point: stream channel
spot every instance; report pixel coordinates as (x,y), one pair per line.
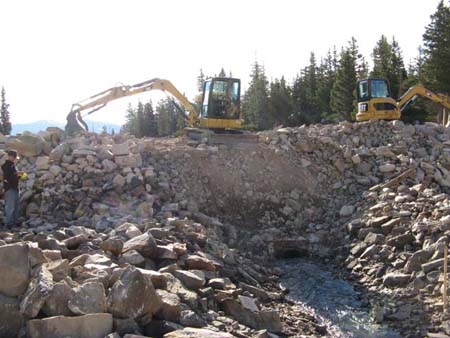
(333,299)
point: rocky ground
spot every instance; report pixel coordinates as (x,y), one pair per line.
(166,237)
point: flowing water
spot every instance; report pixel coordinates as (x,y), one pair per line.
(334,299)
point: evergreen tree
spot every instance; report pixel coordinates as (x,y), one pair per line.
(255,104)
(131,121)
(140,126)
(5,123)
(169,118)
(343,91)
(222,73)
(388,64)
(200,80)
(104,130)
(280,102)
(437,49)
(150,127)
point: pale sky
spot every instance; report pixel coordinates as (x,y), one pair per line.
(55,53)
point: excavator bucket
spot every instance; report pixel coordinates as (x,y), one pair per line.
(75,123)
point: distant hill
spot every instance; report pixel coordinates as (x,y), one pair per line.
(36,126)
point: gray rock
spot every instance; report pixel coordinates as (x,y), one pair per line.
(10,317)
(14,269)
(96,325)
(88,298)
(189,279)
(132,295)
(396,279)
(37,293)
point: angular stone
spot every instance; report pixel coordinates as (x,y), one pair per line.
(387,168)
(195,262)
(266,319)
(396,279)
(170,308)
(189,279)
(433,265)
(56,303)
(96,325)
(120,149)
(133,257)
(191,319)
(113,245)
(401,240)
(88,298)
(145,244)
(415,262)
(132,295)
(14,269)
(37,293)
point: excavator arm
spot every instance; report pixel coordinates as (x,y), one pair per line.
(75,121)
(420,90)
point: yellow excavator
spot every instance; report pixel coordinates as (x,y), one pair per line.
(376,103)
(219,112)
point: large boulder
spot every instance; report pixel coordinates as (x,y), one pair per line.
(14,269)
(28,145)
(96,325)
(132,295)
(170,307)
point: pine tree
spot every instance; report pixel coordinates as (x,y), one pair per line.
(200,80)
(388,64)
(169,119)
(5,123)
(343,92)
(437,49)
(222,73)
(131,121)
(150,127)
(104,130)
(280,102)
(255,104)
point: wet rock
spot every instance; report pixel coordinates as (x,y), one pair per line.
(346,210)
(252,317)
(14,269)
(92,325)
(396,279)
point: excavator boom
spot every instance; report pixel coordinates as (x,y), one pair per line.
(75,121)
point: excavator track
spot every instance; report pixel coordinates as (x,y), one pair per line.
(228,137)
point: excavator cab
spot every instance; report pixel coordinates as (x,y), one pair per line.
(375,101)
(221,99)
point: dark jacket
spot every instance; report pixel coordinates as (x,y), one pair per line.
(10,179)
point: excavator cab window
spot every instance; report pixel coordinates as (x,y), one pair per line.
(371,88)
(221,98)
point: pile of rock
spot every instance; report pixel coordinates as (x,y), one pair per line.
(144,279)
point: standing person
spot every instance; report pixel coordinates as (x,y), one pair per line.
(11,186)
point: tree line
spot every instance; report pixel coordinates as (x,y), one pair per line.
(324,90)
